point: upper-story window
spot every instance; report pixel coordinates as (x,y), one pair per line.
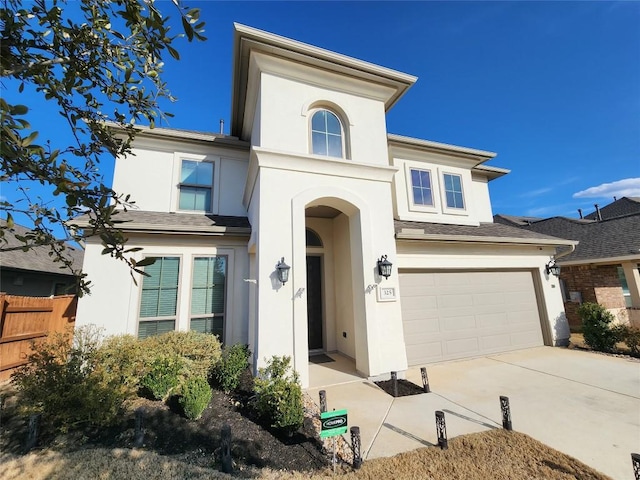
(421,187)
(196,185)
(326,134)
(453,190)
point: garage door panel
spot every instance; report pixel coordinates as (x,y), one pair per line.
(421,326)
(425,353)
(461,347)
(451,315)
(493,319)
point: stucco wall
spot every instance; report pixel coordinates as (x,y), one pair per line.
(115,299)
(152,175)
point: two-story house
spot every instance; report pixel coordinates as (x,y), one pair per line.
(310,178)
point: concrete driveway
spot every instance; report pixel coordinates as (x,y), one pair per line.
(584,404)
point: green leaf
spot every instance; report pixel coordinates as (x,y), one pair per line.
(145,262)
(10,222)
(29,140)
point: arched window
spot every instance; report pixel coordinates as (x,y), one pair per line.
(313,239)
(326,134)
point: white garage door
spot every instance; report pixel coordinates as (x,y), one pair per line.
(450,315)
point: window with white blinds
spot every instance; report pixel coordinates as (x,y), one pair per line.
(208,294)
(159,297)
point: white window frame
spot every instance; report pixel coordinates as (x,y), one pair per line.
(416,207)
(215,181)
(443,195)
(225,314)
(343,133)
(176,317)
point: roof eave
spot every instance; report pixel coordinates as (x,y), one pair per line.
(247,39)
(410,236)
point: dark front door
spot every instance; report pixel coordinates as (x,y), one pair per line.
(314,302)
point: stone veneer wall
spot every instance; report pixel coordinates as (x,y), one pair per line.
(597,284)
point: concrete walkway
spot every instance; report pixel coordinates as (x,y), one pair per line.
(583,404)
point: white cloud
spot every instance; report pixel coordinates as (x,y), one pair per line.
(627,187)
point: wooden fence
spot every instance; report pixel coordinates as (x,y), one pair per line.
(24,319)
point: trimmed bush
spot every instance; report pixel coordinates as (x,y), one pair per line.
(199,351)
(235,360)
(196,395)
(62,382)
(163,377)
(596,327)
(630,336)
(278,398)
(123,359)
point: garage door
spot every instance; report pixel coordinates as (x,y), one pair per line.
(451,315)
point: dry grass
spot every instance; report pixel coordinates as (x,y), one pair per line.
(495,454)
(577,341)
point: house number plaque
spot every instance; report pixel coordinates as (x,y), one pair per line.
(386,294)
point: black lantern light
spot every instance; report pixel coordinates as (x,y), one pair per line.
(384,267)
(283,271)
(552,268)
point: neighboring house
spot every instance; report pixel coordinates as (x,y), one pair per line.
(310,177)
(604,266)
(33,273)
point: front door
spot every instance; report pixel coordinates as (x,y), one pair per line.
(314,302)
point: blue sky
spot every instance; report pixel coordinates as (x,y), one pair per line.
(552,87)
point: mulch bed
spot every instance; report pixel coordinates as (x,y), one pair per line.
(169,433)
(405,388)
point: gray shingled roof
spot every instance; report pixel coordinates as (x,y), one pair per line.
(598,241)
(36,259)
(484,230)
(622,206)
(138,220)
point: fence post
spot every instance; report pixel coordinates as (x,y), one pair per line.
(225,443)
(33,431)
(441,430)
(506,413)
(323,401)
(356,443)
(425,380)
(394,382)
(635,460)
(138,440)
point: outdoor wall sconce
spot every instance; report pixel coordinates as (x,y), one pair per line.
(283,271)
(384,267)
(552,268)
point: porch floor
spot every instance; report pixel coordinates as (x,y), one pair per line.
(341,370)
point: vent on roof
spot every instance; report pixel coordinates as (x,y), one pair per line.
(580,213)
(598,214)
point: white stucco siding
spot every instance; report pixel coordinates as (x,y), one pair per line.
(115,299)
(475,191)
(284,124)
(481,199)
(417,256)
(147,176)
(152,175)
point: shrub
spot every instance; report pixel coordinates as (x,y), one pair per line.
(196,395)
(596,327)
(123,359)
(199,351)
(62,383)
(278,398)
(235,360)
(630,336)
(163,376)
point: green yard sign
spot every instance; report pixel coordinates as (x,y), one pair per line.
(333,423)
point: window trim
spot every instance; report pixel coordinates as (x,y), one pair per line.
(225,314)
(445,207)
(175,317)
(416,207)
(343,131)
(215,181)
